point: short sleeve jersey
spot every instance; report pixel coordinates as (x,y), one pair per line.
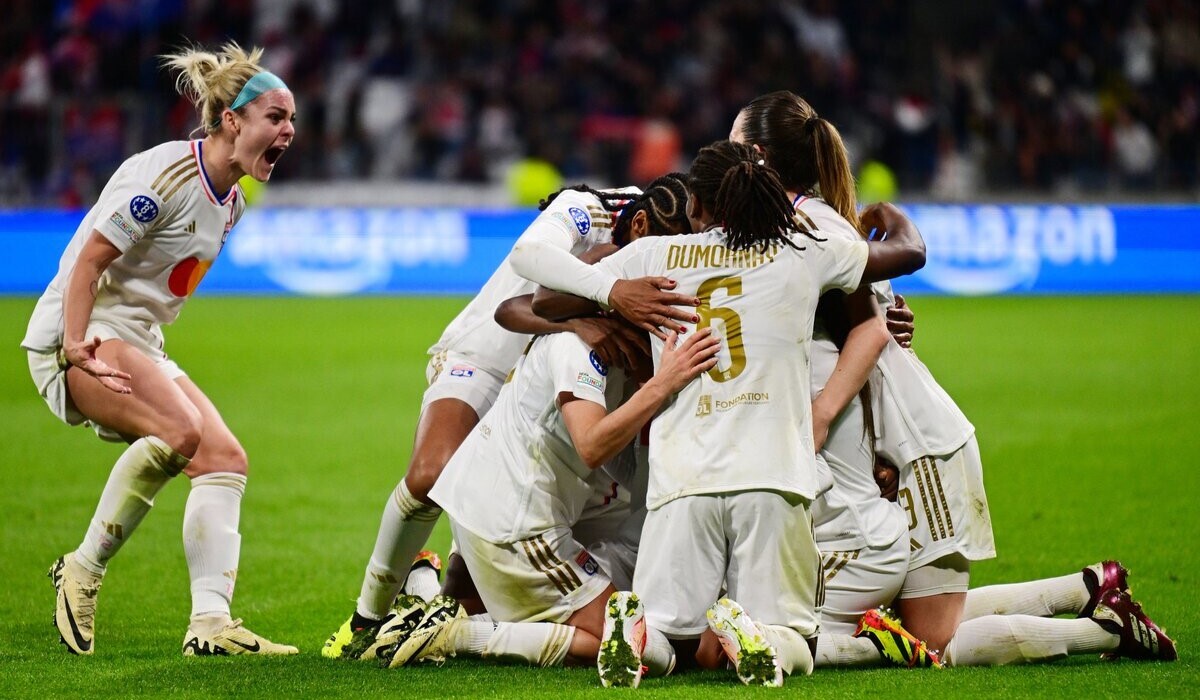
(161,211)
(518,474)
(577,218)
(747,423)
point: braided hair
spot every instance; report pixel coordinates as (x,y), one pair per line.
(664,201)
(744,195)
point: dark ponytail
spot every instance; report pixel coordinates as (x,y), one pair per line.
(743,195)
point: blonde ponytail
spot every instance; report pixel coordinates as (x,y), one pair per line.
(211,81)
(834,177)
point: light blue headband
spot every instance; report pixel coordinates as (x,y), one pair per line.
(255,86)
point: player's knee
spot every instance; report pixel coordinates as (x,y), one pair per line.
(423,473)
(183,430)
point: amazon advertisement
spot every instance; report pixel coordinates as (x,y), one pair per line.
(972,250)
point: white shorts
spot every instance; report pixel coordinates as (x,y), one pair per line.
(454,376)
(759,544)
(949,574)
(49,372)
(545,578)
(612,533)
(860,580)
(946,506)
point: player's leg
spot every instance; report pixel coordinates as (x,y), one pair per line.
(211,541)
(165,430)
(1007,639)
(856,582)
(774,572)
(1075,593)
(932,598)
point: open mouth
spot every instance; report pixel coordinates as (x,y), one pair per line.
(273,154)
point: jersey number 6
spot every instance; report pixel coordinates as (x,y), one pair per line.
(732,323)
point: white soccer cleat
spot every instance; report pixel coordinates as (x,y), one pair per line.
(755,659)
(75,603)
(624,640)
(232,640)
(432,637)
(406,613)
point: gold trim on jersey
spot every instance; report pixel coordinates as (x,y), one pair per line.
(179,183)
(173,166)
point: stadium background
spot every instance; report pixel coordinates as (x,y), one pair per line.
(1048,150)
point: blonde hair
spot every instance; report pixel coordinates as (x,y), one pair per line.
(211,81)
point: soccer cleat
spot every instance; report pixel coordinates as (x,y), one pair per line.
(430,639)
(75,603)
(753,657)
(428,558)
(895,644)
(1141,638)
(232,640)
(620,657)
(405,615)
(1101,578)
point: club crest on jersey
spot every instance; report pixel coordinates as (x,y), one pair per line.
(588,563)
(462,371)
(583,222)
(598,364)
(143,208)
(704,405)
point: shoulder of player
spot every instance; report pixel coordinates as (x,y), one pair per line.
(160,171)
(819,218)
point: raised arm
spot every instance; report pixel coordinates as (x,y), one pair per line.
(616,342)
(80,296)
(896,248)
(599,435)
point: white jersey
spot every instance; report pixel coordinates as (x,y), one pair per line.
(518,474)
(159,209)
(851,515)
(574,218)
(747,423)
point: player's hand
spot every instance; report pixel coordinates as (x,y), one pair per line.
(887,477)
(615,342)
(900,322)
(681,363)
(647,305)
(879,217)
(83,356)
(820,431)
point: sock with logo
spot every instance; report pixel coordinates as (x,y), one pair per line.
(791,648)
(211,542)
(137,477)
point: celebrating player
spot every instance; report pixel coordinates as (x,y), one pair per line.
(95,343)
(732,459)
(474,355)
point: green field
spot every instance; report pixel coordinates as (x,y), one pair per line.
(1084,409)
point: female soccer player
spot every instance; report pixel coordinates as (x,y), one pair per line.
(474,355)
(732,458)
(942,489)
(95,343)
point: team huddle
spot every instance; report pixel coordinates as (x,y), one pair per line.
(679,427)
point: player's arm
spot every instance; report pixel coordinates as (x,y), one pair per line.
(598,435)
(78,300)
(864,343)
(616,342)
(897,247)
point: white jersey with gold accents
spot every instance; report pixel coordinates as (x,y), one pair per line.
(518,474)
(160,210)
(747,423)
(576,219)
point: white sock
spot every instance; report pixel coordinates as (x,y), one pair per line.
(1045,598)
(137,477)
(996,640)
(845,650)
(791,648)
(542,644)
(403,530)
(211,541)
(423,582)
(659,656)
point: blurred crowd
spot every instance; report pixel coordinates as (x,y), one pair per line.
(946,100)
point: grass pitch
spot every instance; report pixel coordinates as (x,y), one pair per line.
(1084,409)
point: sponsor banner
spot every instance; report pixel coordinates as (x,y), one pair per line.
(972,249)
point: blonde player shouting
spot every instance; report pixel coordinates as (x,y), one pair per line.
(474,355)
(732,458)
(95,343)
